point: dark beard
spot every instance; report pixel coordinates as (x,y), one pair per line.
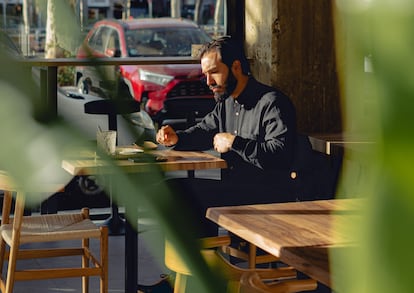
(220,97)
(230,86)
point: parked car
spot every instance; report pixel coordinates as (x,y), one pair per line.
(149,37)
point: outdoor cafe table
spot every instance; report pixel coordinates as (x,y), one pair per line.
(301,234)
(175,161)
(337,143)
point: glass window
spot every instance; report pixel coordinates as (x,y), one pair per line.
(99,39)
(164,41)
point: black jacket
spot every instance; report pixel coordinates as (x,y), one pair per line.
(264,122)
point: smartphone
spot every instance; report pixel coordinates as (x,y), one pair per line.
(148,159)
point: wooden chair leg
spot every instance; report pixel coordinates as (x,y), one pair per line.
(7,202)
(85,258)
(5,219)
(11,270)
(11,267)
(180,283)
(252,256)
(14,248)
(85,264)
(104,259)
(2,254)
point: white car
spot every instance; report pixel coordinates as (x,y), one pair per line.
(71,107)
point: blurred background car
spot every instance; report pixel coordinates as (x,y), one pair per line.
(148,37)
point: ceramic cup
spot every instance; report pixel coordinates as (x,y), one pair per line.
(106,140)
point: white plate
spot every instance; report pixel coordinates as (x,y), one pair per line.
(130,151)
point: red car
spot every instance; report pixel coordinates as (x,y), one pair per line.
(145,37)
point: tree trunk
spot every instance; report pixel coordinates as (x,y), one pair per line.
(127,13)
(175,8)
(51,38)
(26,41)
(197,10)
(218,15)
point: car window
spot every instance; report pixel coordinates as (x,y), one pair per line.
(112,47)
(164,41)
(98,40)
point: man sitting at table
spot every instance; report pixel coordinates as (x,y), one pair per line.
(253,126)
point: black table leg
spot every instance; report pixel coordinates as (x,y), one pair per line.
(131,258)
(116,225)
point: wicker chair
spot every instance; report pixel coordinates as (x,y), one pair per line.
(19,229)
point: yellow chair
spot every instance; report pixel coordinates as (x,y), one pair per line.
(251,256)
(217,262)
(19,229)
(251,282)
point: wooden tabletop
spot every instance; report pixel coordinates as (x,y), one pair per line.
(166,160)
(301,234)
(8,183)
(335,143)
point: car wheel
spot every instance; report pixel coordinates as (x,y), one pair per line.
(89,185)
(84,85)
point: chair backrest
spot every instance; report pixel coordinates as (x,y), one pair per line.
(302,165)
(184,112)
(312,172)
(303,153)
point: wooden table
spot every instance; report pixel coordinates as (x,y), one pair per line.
(173,161)
(301,234)
(349,156)
(335,143)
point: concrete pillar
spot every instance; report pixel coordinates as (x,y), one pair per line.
(260,40)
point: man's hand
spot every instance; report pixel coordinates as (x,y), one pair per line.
(166,136)
(223,141)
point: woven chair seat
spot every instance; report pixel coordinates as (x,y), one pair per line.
(52,228)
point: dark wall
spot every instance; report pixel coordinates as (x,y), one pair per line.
(304,59)
(306,63)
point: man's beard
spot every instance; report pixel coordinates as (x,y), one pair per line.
(220,97)
(230,86)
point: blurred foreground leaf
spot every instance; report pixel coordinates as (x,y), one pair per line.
(32,151)
(380,31)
